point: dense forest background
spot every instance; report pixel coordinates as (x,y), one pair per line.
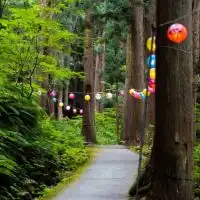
(54,53)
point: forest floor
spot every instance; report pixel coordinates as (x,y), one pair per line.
(109,177)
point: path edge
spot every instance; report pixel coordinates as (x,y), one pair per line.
(67,181)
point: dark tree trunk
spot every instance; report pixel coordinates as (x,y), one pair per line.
(134,76)
(89,69)
(172,149)
(196,55)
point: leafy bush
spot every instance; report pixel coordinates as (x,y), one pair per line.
(197,170)
(35,151)
(106,127)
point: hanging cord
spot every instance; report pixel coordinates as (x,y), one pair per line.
(143,124)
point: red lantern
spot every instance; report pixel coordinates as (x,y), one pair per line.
(177,33)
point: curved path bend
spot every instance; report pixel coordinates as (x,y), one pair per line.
(109,177)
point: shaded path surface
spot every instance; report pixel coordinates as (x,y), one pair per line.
(109,178)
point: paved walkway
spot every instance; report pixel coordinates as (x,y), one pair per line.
(109,178)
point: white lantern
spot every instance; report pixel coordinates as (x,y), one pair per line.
(81,111)
(68,107)
(74,110)
(109,95)
(39,92)
(98,96)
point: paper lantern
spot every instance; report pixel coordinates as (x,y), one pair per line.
(177,33)
(74,111)
(121,93)
(39,92)
(137,95)
(87,97)
(68,107)
(53,93)
(71,96)
(151,90)
(131,92)
(142,96)
(98,96)
(109,95)
(153,86)
(152,73)
(151,81)
(145,92)
(81,111)
(149,44)
(60,104)
(151,61)
(54,99)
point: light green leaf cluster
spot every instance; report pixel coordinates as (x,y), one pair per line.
(30,41)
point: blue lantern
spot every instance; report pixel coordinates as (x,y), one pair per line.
(142,96)
(151,61)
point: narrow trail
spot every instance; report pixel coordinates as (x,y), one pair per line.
(109,177)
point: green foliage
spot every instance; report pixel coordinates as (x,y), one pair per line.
(34,151)
(106,127)
(31,42)
(198,121)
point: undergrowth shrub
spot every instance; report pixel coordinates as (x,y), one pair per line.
(106,127)
(35,152)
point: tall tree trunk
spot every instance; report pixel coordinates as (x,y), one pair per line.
(89,69)
(60,109)
(172,149)
(149,19)
(196,55)
(134,76)
(46,101)
(99,85)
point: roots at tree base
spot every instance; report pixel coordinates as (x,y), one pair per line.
(144,182)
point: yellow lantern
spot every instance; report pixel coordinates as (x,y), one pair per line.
(131,92)
(152,73)
(145,92)
(61,104)
(149,43)
(87,97)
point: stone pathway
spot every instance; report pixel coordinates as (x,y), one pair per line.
(109,178)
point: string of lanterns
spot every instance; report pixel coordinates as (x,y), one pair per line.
(176,33)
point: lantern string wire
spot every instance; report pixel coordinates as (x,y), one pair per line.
(179,49)
(179,18)
(144,120)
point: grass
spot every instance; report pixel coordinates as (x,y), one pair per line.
(50,193)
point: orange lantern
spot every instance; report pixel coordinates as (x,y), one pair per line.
(177,33)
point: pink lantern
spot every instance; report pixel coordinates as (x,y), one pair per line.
(81,111)
(71,96)
(151,81)
(137,95)
(151,90)
(121,93)
(53,93)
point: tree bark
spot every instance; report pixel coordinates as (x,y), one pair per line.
(172,149)
(196,55)
(60,109)
(89,69)
(134,76)
(149,19)
(99,85)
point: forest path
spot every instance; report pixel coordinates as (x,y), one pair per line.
(109,177)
